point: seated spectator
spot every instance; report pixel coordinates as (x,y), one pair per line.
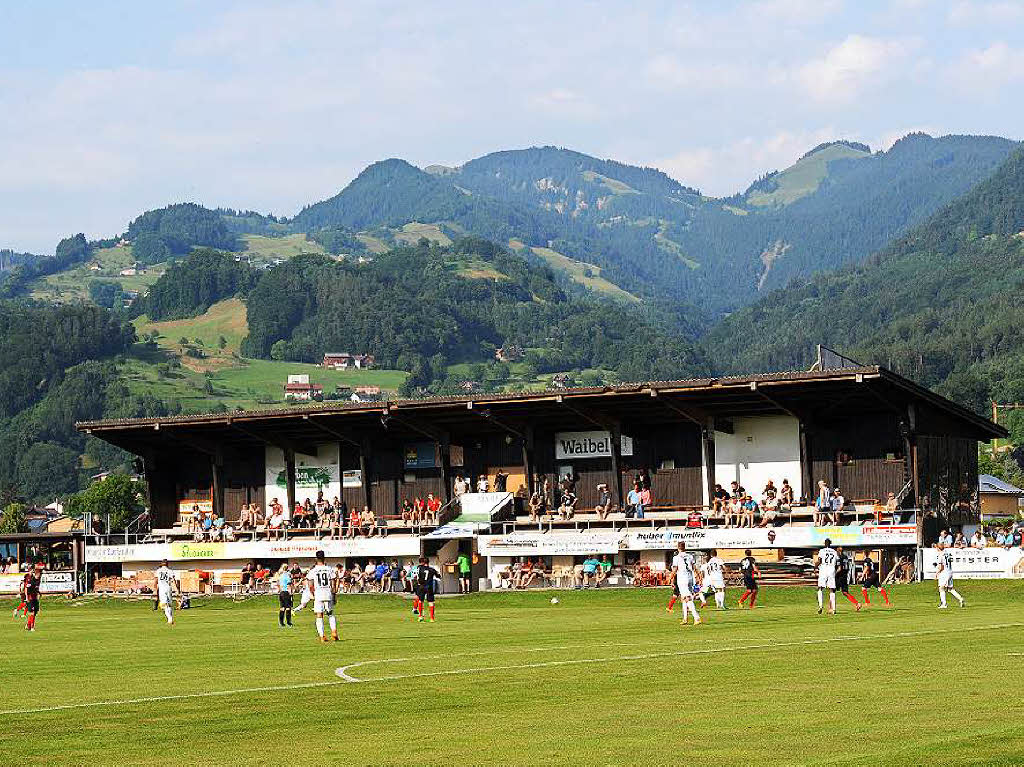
(567,507)
(247,580)
(769,512)
(646,499)
(321,505)
(207,527)
(460,486)
(257,515)
(380,575)
(733,511)
(604,501)
(300,516)
(244,518)
(946,538)
(433,509)
(822,504)
(529,573)
(634,502)
(588,575)
(196,520)
(538,506)
(695,519)
(836,505)
(354,519)
(769,492)
(481,483)
(1015,538)
(719,498)
(786,496)
(749,512)
(368,521)
(408,515)
(419,508)
(960,542)
(606,568)
(275,526)
(978,540)
(260,576)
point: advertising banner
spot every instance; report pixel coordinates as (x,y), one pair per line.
(990,562)
(480,507)
(313,474)
(62,582)
(548,544)
(588,444)
(11,583)
(136,552)
(770,537)
(187,506)
(306,548)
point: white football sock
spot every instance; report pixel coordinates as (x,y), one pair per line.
(167,612)
(956,595)
(320,625)
(942,597)
(334,623)
(832,600)
(821,601)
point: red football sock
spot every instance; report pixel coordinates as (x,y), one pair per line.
(753,598)
(850,597)
(416,606)
(745,595)
(21,608)
(885,596)
(864,593)
(431,611)
(672,602)
(31,621)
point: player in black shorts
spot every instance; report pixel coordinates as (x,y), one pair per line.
(751,572)
(30,588)
(844,568)
(869,579)
(425,582)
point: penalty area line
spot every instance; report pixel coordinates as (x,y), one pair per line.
(347,678)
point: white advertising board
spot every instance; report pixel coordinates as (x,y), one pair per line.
(301,548)
(313,474)
(588,444)
(517,544)
(990,562)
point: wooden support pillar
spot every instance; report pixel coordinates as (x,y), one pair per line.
(806,465)
(616,436)
(445,449)
(364,463)
(707,434)
(217,473)
(527,440)
(289,473)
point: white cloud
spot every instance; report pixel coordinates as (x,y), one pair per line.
(966,13)
(853,65)
(988,70)
(728,168)
(793,11)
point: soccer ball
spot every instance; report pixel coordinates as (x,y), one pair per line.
(554,600)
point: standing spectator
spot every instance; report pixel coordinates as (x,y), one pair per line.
(460,487)
(769,492)
(822,504)
(538,506)
(546,490)
(634,504)
(500,481)
(643,478)
(481,483)
(464,568)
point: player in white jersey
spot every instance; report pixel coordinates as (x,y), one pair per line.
(826,560)
(944,577)
(714,578)
(307,596)
(166,585)
(324,585)
(684,570)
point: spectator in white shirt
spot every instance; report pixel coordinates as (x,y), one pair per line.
(978,540)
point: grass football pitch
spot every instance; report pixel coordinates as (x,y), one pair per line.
(602,677)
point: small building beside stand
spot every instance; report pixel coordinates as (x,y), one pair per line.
(861,428)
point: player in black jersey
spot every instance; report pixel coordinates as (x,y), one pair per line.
(751,572)
(425,581)
(30,592)
(844,570)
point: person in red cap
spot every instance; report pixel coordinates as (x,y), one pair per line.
(30,588)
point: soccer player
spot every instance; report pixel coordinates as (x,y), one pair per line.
(869,579)
(166,585)
(685,575)
(944,577)
(714,580)
(751,572)
(284,597)
(675,596)
(324,585)
(425,579)
(23,603)
(307,595)
(826,560)
(843,569)
(30,586)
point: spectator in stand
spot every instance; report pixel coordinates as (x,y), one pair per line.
(244,518)
(769,512)
(646,498)
(408,515)
(946,538)
(1015,538)
(960,542)
(394,575)
(196,524)
(481,483)
(892,506)
(822,504)
(567,508)
(354,519)
(643,478)
(433,509)
(217,534)
(786,496)
(460,487)
(275,524)
(500,481)
(321,506)
(736,490)
(769,492)
(380,575)
(419,511)
(695,519)
(538,506)
(978,540)
(750,509)
(733,510)
(588,576)
(836,505)
(604,501)
(634,505)
(299,515)
(368,521)
(207,526)
(719,499)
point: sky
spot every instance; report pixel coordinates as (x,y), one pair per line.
(108,109)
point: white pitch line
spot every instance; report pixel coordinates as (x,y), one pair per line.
(342,672)
(345,678)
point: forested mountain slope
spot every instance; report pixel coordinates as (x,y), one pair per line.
(940,305)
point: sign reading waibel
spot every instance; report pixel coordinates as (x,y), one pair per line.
(588,444)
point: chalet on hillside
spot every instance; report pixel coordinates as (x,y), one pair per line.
(299,388)
(509,353)
(346,361)
(366,394)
